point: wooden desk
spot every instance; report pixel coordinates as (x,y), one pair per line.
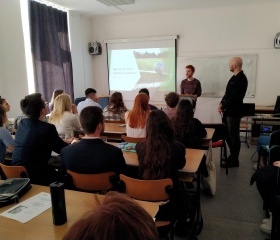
(113,131)
(264,109)
(42,227)
(193,159)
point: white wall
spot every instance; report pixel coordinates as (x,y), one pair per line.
(80,35)
(13,76)
(204,32)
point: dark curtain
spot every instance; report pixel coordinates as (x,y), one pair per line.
(50,50)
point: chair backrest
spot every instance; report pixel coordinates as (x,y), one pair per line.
(131,139)
(91,182)
(274,138)
(221,131)
(14,171)
(147,190)
(77,100)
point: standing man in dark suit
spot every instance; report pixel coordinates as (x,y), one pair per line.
(231,108)
(91,154)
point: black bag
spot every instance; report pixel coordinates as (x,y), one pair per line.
(12,189)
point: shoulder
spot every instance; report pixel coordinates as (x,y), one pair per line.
(196,80)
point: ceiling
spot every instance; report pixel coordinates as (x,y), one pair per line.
(94,7)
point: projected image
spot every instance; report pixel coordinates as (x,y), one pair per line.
(137,65)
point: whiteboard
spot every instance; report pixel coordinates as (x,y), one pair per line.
(213,73)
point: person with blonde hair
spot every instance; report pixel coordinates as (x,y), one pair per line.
(116,109)
(117,217)
(56,92)
(63,118)
(136,118)
(6,140)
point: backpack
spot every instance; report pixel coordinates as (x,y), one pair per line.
(12,189)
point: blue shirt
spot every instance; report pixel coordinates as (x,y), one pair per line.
(6,140)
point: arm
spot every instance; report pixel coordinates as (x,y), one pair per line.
(198,89)
(56,142)
(181,159)
(7,139)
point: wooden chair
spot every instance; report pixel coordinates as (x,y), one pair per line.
(150,190)
(219,140)
(131,139)
(91,182)
(14,171)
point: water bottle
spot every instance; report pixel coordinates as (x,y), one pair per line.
(58,203)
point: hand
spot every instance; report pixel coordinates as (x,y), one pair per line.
(276,164)
(220,110)
(70,140)
(74,109)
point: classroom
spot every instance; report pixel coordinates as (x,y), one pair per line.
(238,28)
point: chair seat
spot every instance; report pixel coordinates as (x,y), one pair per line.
(218,143)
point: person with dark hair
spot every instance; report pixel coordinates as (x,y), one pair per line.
(91,100)
(6,140)
(146,91)
(191,87)
(4,103)
(160,156)
(35,140)
(136,118)
(117,217)
(231,108)
(116,109)
(172,100)
(91,154)
(56,92)
(188,130)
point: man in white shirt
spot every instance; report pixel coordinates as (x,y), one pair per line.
(91,100)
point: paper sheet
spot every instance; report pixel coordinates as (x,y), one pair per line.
(30,208)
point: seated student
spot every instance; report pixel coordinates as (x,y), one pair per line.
(136,118)
(117,217)
(91,100)
(56,93)
(35,140)
(146,91)
(4,103)
(160,156)
(188,130)
(6,140)
(172,100)
(63,118)
(116,109)
(266,180)
(91,154)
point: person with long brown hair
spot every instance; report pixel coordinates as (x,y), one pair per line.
(117,217)
(160,156)
(56,93)
(136,118)
(116,109)
(4,103)
(188,130)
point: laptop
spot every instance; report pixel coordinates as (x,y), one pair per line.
(277,108)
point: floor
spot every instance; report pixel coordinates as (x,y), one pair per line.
(235,212)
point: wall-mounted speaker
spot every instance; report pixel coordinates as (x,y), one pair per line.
(277,41)
(94,48)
